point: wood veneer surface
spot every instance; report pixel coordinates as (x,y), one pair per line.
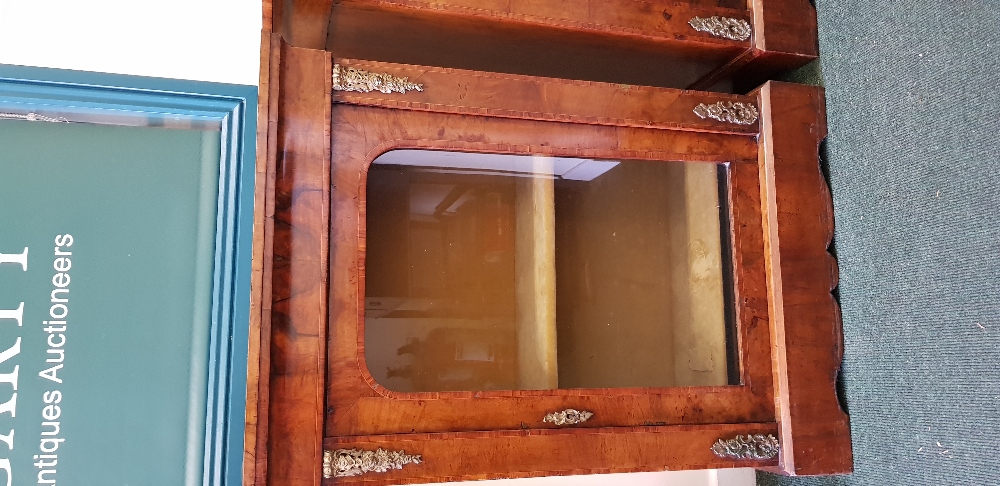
(297,340)
(258,355)
(806,323)
(624,41)
(322,396)
(530,43)
(366,125)
(518,454)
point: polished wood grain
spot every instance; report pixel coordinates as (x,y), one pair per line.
(785,37)
(267,15)
(258,356)
(518,454)
(524,97)
(299,276)
(303,23)
(805,324)
(504,116)
(662,20)
(785,27)
(361,406)
(493,39)
(314,390)
(626,41)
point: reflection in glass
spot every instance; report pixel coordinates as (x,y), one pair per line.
(504,272)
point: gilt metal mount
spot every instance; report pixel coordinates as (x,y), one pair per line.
(354,79)
(728,111)
(725,27)
(342,463)
(747,447)
(568,417)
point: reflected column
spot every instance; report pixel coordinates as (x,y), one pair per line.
(535,278)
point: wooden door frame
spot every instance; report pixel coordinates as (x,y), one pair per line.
(366,125)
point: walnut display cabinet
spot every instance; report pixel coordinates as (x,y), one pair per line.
(721,45)
(470,275)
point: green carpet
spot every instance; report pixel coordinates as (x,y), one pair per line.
(914,115)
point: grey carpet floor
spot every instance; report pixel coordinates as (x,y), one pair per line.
(913,154)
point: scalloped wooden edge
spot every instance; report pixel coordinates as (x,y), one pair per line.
(807,342)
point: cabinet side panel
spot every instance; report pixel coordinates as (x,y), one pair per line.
(806,326)
(785,27)
(299,277)
(258,363)
(785,37)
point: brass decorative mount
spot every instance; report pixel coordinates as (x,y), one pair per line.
(568,417)
(342,463)
(725,27)
(747,447)
(359,80)
(729,112)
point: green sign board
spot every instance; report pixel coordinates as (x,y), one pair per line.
(124,253)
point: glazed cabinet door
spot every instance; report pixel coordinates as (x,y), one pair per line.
(474,275)
(516,253)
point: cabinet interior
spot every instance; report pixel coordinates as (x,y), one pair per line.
(519,272)
(428,37)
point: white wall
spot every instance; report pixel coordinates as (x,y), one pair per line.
(206,40)
(203,40)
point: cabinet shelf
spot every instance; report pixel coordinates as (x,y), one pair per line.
(695,44)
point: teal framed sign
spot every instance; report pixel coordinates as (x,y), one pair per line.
(126,210)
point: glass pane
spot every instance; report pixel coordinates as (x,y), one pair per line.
(507,272)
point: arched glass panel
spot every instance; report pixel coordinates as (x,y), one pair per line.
(511,272)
